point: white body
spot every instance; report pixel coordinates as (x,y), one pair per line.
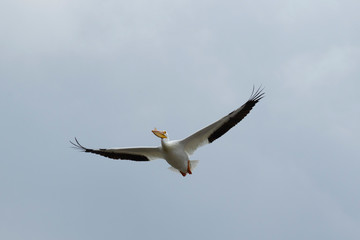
(177,152)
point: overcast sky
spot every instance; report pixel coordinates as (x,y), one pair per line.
(108,72)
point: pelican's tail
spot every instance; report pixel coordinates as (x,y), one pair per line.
(193,164)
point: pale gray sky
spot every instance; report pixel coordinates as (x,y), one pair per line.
(108,72)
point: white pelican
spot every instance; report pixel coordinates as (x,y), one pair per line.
(177,152)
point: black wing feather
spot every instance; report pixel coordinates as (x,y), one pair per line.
(233,120)
(109,154)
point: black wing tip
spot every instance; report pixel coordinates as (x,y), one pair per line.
(112,155)
(241,112)
(258,94)
(77,145)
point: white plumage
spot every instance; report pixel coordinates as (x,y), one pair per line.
(177,152)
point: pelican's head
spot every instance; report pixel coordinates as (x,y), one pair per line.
(160,134)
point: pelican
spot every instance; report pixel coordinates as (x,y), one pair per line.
(177,152)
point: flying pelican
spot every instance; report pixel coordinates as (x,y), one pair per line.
(177,152)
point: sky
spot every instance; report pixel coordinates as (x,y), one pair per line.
(108,72)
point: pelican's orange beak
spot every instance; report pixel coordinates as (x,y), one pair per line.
(160,134)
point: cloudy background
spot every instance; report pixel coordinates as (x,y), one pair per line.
(108,72)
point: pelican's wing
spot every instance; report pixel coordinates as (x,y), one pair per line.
(220,127)
(134,154)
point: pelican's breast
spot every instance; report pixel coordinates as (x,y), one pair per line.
(175,155)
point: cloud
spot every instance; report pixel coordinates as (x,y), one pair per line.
(109,71)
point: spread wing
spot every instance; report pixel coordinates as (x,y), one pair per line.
(217,129)
(134,154)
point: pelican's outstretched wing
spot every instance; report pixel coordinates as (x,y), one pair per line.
(134,154)
(220,127)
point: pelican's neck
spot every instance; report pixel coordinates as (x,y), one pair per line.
(164,141)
